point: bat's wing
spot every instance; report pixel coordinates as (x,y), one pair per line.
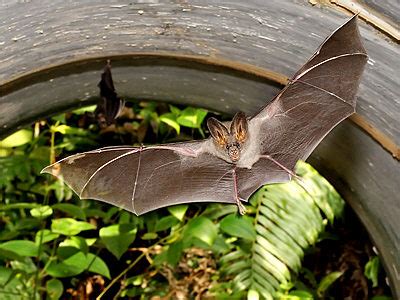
(320,95)
(144,179)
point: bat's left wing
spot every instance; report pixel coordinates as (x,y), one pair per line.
(141,179)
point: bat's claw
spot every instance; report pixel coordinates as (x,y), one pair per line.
(241,207)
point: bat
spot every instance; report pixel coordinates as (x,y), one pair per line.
(239,157)
(111,106)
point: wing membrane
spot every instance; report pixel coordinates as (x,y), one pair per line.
(320,95)
(143,179)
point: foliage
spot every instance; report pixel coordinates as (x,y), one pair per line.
(372,270)
(53,245)
(287,221)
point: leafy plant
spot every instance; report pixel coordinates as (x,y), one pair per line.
(189,117)
(372,270)
(288,219)
(53,245)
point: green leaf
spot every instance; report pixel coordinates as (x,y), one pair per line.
(71,209)
(27,224)
(149,236)
(63,269)
(19,138)
(9,254)
(215,211)
(124,217)
(327,281)
(174,253)
(59,118)
(25,265)
(41,212)
(160,258)
(90,241)
(178,211)
(97,265)
(135,280)
(170,119)
(76,264)
(166,223)
(322,192)
(220,245)
(84,109)
(174,110)
(21,247)
(41,154)
(75,242)
(54,289)
(95,212)
(117,238)
(238,226)
(202,229)
(46,237)
(192,117)
(60,128)
(5,275)
(371,270)
(68,226)
(65,129)
(10,282)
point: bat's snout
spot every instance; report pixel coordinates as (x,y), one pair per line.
(234,153)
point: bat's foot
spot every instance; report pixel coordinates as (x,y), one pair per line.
(241,207)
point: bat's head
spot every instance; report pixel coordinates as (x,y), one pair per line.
(230,141)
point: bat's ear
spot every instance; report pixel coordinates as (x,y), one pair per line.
(218,131)
(239,127)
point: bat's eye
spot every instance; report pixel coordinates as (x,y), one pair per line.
(227,147)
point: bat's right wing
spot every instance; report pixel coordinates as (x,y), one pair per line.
(141,179)
(320,95)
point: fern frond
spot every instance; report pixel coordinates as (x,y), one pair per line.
(289,219)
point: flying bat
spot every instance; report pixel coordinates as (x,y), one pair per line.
(238,157)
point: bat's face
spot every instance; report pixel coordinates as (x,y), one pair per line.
(233,150)
(230,141)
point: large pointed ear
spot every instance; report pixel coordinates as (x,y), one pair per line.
(239,127)
(218,131)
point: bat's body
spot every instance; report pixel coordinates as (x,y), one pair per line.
(239,158)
